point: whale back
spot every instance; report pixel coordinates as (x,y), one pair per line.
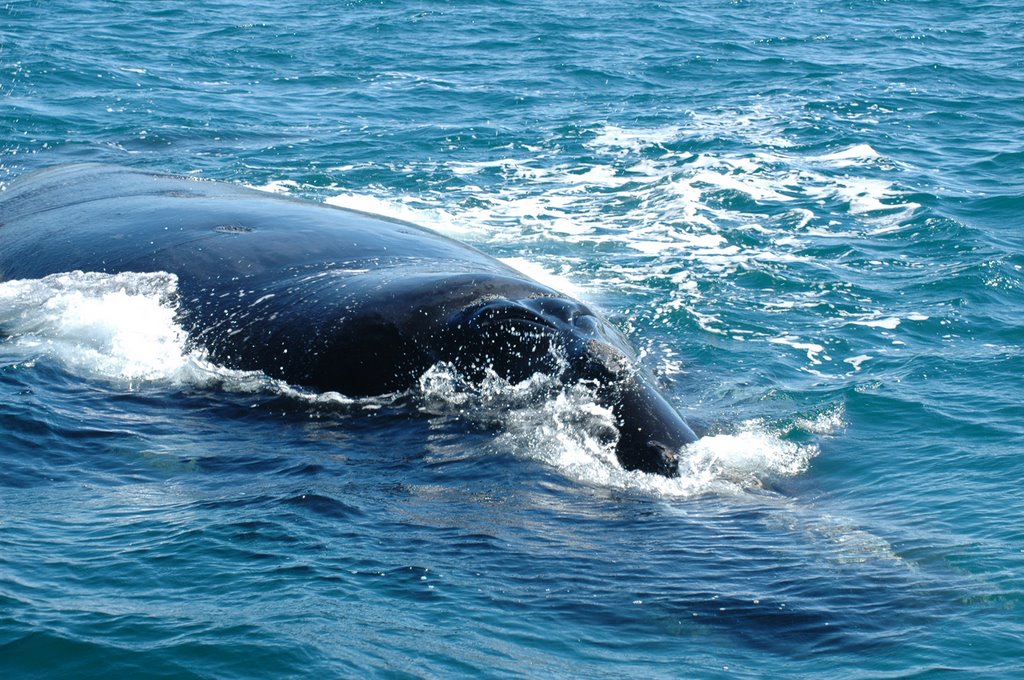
(317,295)
(325,297)
(111,218)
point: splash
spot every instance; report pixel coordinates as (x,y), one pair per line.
(119,326)
(565,427)
(116,327)
(745,459)
(123,328)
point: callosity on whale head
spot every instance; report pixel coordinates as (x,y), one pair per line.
(329,298)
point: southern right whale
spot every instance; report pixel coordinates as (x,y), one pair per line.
(329,298)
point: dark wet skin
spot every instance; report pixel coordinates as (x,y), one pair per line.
(329,298)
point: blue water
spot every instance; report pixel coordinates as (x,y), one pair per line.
(809,216)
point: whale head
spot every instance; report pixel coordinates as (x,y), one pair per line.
(555,335)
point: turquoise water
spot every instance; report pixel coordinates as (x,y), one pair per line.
(809,216)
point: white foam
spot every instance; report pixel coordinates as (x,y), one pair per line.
(563,426)
(890,323)
(827,422)
(278,186)
(812,349)
(854,155)
(613,138)
(858,360)
(668,198)
(537,272)
(866,195)
(118,327)
(757,124)
(746,457)
(652,210)
(758,187)
(438,219)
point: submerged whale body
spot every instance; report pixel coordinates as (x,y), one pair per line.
(329,298)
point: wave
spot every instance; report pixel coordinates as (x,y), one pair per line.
(123,329)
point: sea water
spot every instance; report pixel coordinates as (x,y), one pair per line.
(807,216)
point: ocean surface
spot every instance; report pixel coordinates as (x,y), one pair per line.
(807,216)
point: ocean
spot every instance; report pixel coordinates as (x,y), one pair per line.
(808,217)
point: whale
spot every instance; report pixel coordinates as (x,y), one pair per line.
(330,298)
